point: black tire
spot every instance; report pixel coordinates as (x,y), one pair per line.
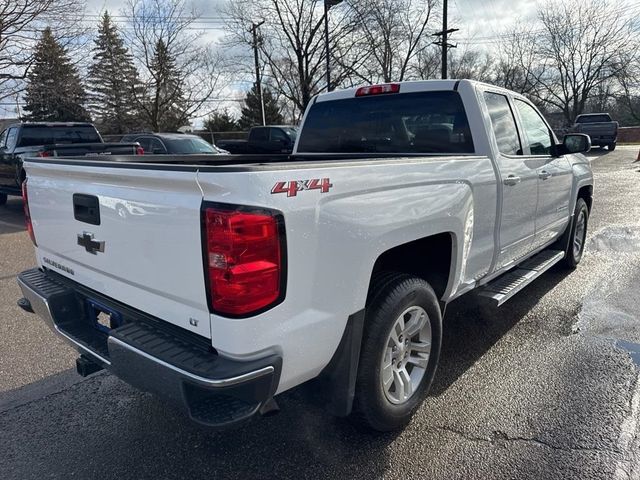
(392,294)
(3,198)
(573,255)
(612,147)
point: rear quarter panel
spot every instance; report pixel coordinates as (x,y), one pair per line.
(335,238)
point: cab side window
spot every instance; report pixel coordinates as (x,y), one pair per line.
(503,123)
(145,144)
(260,135)
(12,137)
(278,135)
(157,147)
(538,136)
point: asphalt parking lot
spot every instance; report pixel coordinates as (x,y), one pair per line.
(544,387)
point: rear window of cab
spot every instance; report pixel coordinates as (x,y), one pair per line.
(421,122)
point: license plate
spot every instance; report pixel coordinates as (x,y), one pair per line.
(102,317)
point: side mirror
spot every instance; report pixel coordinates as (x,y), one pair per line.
(575,143)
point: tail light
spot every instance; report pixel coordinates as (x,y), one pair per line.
(44,153)
(378,89)
(245,257)
(139,150)
(27,214)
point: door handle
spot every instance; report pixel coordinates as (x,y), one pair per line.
(544,174)
(511,180)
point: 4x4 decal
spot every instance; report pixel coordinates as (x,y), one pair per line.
(292,187)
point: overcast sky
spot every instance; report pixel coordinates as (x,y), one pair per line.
(475,18)
(478,21)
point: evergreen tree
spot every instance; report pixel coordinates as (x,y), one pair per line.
(221,122)
(164,104)
(252,112)
(54,91)
(113,80)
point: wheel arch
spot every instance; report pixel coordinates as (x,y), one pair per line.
(586,193)
(432,258)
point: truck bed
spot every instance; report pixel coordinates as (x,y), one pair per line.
(239,162)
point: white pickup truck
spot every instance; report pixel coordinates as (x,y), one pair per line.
(219,283)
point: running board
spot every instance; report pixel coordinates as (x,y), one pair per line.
(506,286)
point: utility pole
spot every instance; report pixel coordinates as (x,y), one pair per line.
(327,5)
(254,33)
(444,41)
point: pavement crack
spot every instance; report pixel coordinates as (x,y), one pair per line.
(498,436)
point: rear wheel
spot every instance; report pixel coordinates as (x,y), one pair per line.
(400,350)
(3,198)
(577,235)
(612,147)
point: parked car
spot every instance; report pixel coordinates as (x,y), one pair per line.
(173,144)
(261,140)
(52,139)
(601,129)
(332,265)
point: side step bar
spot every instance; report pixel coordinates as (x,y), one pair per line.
(506,286)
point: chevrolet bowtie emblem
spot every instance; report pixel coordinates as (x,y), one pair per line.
(90,245)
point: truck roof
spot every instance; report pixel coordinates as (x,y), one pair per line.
(50,124)
(415,86)
(406,87)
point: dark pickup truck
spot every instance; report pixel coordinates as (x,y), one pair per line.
(599,126)
(269,139)
(21,140)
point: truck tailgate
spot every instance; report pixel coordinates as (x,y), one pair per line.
(149,221)
(599,129)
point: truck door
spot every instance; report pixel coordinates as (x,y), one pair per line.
(259,140)
(8,170)
(518,187)
(279,142)
(555,178)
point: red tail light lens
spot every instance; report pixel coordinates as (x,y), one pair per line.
(44,153)
(378,89)
(244,259)
(27,215)
(139,150)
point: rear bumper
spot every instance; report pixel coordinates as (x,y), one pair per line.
(153,355)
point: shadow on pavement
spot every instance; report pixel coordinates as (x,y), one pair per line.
(102,428)
(472,327)
(12,216)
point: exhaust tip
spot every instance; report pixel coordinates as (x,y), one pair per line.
(269,408)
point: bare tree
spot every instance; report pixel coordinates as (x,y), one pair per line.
(584,46)
(21,24)
(291,43)
(392,34)
(518,65)
(628,79)
(471,64)
(179,74)
(427,64)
